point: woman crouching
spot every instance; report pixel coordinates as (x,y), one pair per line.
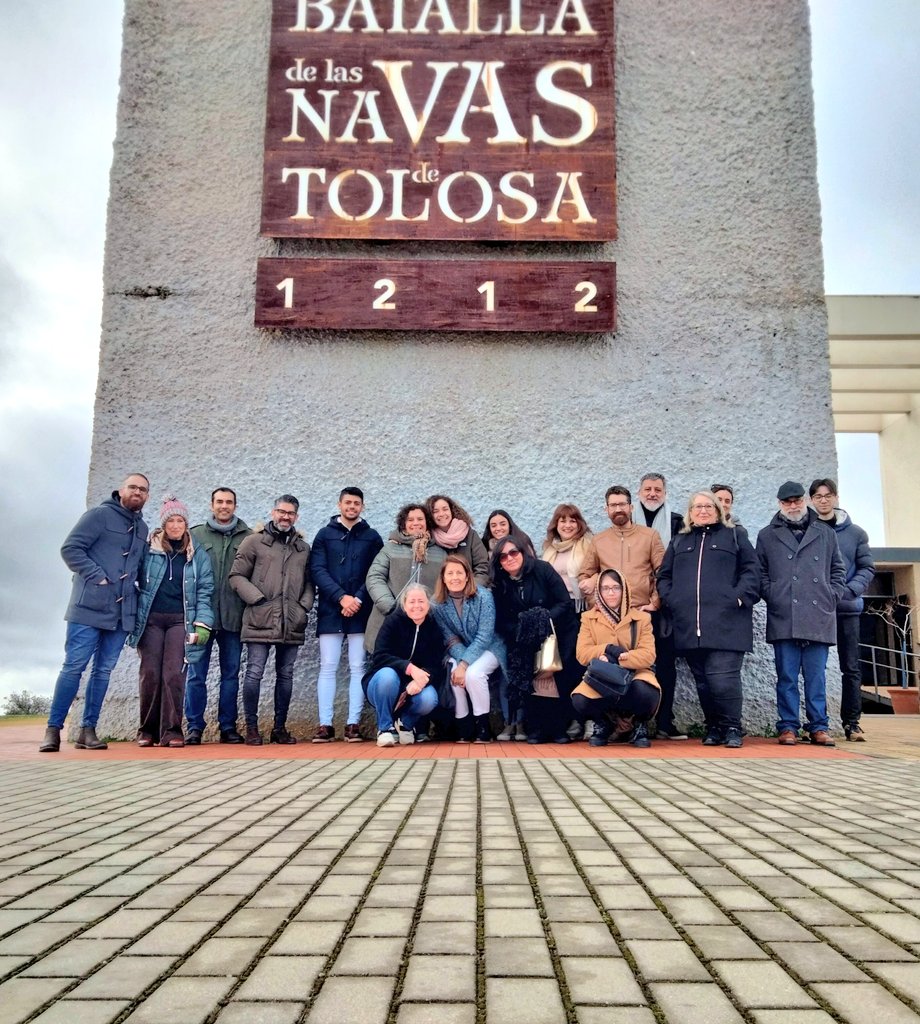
(614,632)
(174,620)
(408,655)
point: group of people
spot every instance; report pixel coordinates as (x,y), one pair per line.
(441,625)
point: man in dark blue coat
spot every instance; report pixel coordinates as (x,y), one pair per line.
(854,550)
(802,579)
(342,553)
(104,550)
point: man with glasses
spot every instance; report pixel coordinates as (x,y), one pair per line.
(104,551)
(802,579)
(634,551)
(854,550)
(342,553)
(271,575)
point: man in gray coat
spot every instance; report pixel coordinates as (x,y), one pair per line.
(802,579)
(104,551)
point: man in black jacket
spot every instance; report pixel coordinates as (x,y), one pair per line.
(342,553)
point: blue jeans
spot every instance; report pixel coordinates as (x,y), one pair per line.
(811,660)
(230,653)
(82,644)
(256,657)
(382,691)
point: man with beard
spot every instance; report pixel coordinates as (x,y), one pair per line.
(104,551)
(271,575)
(654,511)
(634,551)
(802,579)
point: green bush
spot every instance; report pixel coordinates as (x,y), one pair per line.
(25,703)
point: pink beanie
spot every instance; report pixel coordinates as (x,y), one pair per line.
(171,506)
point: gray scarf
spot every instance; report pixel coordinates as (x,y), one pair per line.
(661,522)
(221,527)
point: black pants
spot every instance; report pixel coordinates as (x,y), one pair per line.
(162,680)
(718,684)
(640,701)
(848,653)
(665,670)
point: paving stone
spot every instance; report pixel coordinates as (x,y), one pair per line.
(605,981)
(125,924)
(817,911)
(904,977)
(400,896)
(451,908)
(688,1003)
(857,1003)
(614,1015)
(440,978)
(724,942)
(281,978)
(644,924)
(66,1011)
(535,1000)
(756,984)
(436,1013)
(329,908)
(571,908)
(300,938)
(36,938)
(444,937)
(220,957)
(513,923)
(74,958)
(584,937)
(452,885)
(125,977)
(171,938)
(207,908)
(251,923)
(791,1017)
(87,909)
(774,926)
(901,927)
(663,960)
(259,1013)
(624,897)
(865,944)
(355,1000)
(363,956)
(21,997)
(694,911)
(734,897)
(518,958)
(196,996)
(813,961)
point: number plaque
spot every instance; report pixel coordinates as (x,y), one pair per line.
(571,296)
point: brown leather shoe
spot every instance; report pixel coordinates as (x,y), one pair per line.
(253,739)
(822,739)
(51,744)
(353,734)
(787,738)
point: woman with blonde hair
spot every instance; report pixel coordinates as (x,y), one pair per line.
(709,581)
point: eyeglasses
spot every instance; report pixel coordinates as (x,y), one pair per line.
(822,497)
(285,515)
(702,508)
(793,501)
(612,588)
(508,554)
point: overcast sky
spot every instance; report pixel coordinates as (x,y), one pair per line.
(58,90)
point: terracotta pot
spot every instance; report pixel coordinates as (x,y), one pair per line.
(904,701)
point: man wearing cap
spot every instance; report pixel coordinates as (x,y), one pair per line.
(802,579)
(104,551)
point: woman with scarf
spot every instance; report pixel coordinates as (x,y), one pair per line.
(709,580)
(409,556)
(408,657)
(174,621)
(466,615)
(453,531)
(531,602)
(613,631)
(500,524)
(568,538)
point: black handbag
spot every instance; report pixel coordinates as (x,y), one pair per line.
(608,678)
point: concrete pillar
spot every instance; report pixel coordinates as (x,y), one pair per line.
(899,456)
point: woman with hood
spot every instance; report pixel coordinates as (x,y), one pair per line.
(531,603)
(174,620)
(613,631)
(408,656)
(453,531)
(709,581)
(409,556)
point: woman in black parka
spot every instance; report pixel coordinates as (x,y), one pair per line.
(709,581)
(529,593)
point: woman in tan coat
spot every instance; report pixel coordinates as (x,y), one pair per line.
(614,632)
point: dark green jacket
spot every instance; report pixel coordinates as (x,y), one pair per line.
(221,549)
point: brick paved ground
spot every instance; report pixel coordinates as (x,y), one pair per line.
(410,891)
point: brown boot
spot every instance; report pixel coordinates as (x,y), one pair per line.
(88,740)
(253,739)
(51,744)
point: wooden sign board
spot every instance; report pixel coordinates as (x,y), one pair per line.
(441,119)
(444,295)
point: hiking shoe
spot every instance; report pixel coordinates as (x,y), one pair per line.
(51,744)
(352,734)
(519,733)
(281,735)
(854,733)
(601,734)
(713,737)
(733,738)
(388,738)
(323,734)
(506,734)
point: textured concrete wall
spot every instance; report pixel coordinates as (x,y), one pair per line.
(719,368)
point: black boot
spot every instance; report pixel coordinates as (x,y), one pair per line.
(88,740)
(464,727)
(603,727)
(51,744)
(483,730)
(230,736)
(640,736)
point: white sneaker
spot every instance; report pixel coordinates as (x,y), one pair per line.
(386,739)
(406,736)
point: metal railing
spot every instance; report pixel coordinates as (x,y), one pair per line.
(895,662)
